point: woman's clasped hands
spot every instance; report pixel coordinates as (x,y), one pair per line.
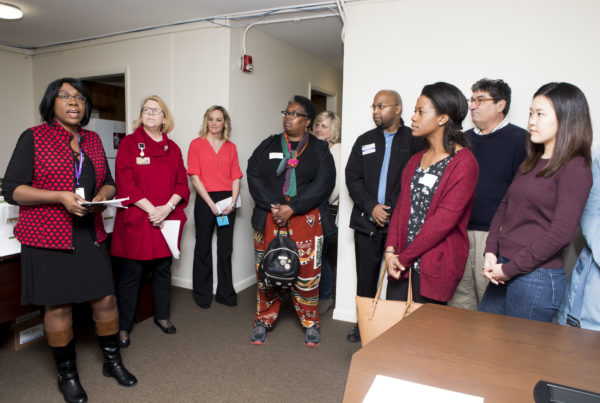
(492,270)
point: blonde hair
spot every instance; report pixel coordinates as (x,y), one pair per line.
(336,124)
(226,133)
(169,122)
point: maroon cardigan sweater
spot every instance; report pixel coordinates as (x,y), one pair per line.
(442,242)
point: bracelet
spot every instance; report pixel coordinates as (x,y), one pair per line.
(171,205)
(389,251)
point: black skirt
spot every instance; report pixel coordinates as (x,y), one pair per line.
(53,277)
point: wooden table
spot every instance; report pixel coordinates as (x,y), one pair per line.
(496,357)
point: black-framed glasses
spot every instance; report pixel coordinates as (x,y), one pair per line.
(381,107)
(152,111)
(478,101)
(67,97)
(292,114)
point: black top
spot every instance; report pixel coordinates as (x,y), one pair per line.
(21,165)
(315,179)
(364,168)
(423,186)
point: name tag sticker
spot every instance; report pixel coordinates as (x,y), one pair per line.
(142,160)
(368,149)
(275,156)
(428,180)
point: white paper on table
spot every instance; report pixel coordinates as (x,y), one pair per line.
(221,204)
(170,231)
(114,202)
(385,389)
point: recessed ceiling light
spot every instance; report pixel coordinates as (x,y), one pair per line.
(10,12)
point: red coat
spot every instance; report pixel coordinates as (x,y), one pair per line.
(134,237)
(442,243)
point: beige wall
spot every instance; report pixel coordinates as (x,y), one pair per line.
(406,45)
(16,103)
(188,68)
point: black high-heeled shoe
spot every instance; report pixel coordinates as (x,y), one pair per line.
(168,330)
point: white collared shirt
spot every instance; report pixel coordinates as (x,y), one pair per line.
(502,124)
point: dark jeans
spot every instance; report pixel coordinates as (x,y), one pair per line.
(206,222)
(536,295)
(129,287)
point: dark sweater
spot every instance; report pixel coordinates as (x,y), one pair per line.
(499,155)
(538,217)
(315,179)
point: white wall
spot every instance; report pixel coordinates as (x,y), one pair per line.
(256,100)
(16,103)
(406,45)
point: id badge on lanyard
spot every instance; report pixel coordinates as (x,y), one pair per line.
(141,160)
(79,189)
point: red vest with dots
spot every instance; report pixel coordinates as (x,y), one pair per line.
(50,225)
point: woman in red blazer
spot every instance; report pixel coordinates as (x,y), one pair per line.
(150,171)
(428,230)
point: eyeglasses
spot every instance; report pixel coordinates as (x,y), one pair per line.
(477,101)
(293,114)
(67,97)
(152,111)
(381,107)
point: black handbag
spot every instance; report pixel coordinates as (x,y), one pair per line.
(281,263)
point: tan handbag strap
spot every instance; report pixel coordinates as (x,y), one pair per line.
(409,298)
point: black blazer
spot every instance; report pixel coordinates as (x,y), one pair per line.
(363,170)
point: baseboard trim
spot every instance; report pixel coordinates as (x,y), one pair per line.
(344,315)
(188,283)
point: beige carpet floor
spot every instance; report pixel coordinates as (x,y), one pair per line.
(210,359)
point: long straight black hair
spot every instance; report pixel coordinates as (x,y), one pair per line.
(574,134)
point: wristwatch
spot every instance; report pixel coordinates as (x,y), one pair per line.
(171,205)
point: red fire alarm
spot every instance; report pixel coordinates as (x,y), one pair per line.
(247,64)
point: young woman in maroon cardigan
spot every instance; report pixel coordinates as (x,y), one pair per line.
(540,213)
(428,230)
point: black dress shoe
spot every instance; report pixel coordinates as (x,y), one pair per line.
(168,330)
(354,335)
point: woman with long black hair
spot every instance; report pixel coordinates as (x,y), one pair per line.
(428,230)
(540,213)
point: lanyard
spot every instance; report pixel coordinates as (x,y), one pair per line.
(78,171)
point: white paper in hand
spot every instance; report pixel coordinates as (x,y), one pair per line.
(170,231)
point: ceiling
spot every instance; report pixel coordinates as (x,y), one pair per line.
(51,22)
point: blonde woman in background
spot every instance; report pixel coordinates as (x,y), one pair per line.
(215,173)
(328,128)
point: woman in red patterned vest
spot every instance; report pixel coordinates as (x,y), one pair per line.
(64,260)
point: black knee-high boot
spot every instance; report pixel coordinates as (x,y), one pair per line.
(68,379)
(113,366)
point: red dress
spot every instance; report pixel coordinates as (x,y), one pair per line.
(134,237)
